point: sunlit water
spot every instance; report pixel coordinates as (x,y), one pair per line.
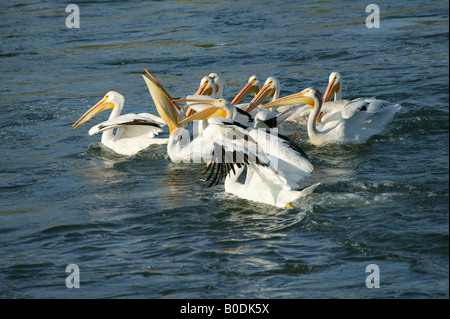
(143,227)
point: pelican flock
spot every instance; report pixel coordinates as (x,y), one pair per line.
(243,145)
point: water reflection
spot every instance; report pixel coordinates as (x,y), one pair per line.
(335,163)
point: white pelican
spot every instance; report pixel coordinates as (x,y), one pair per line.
(334,89)
(356,123)
(135,132)
(262,184)
(329,107)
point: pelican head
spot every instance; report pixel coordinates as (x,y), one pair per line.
(219,85)
(111,100)
(219,108)
(252,86)
(270,89)
(334,87)
(207,86)
(308,96)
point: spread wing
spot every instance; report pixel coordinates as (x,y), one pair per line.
(235,149)
(132,125)
(226,156)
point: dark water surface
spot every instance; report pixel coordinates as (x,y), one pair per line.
(142,227)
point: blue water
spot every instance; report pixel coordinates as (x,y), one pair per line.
(143,227)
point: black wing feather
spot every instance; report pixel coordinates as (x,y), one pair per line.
(135,122)
(272,122)
(223,161)
(250,117)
